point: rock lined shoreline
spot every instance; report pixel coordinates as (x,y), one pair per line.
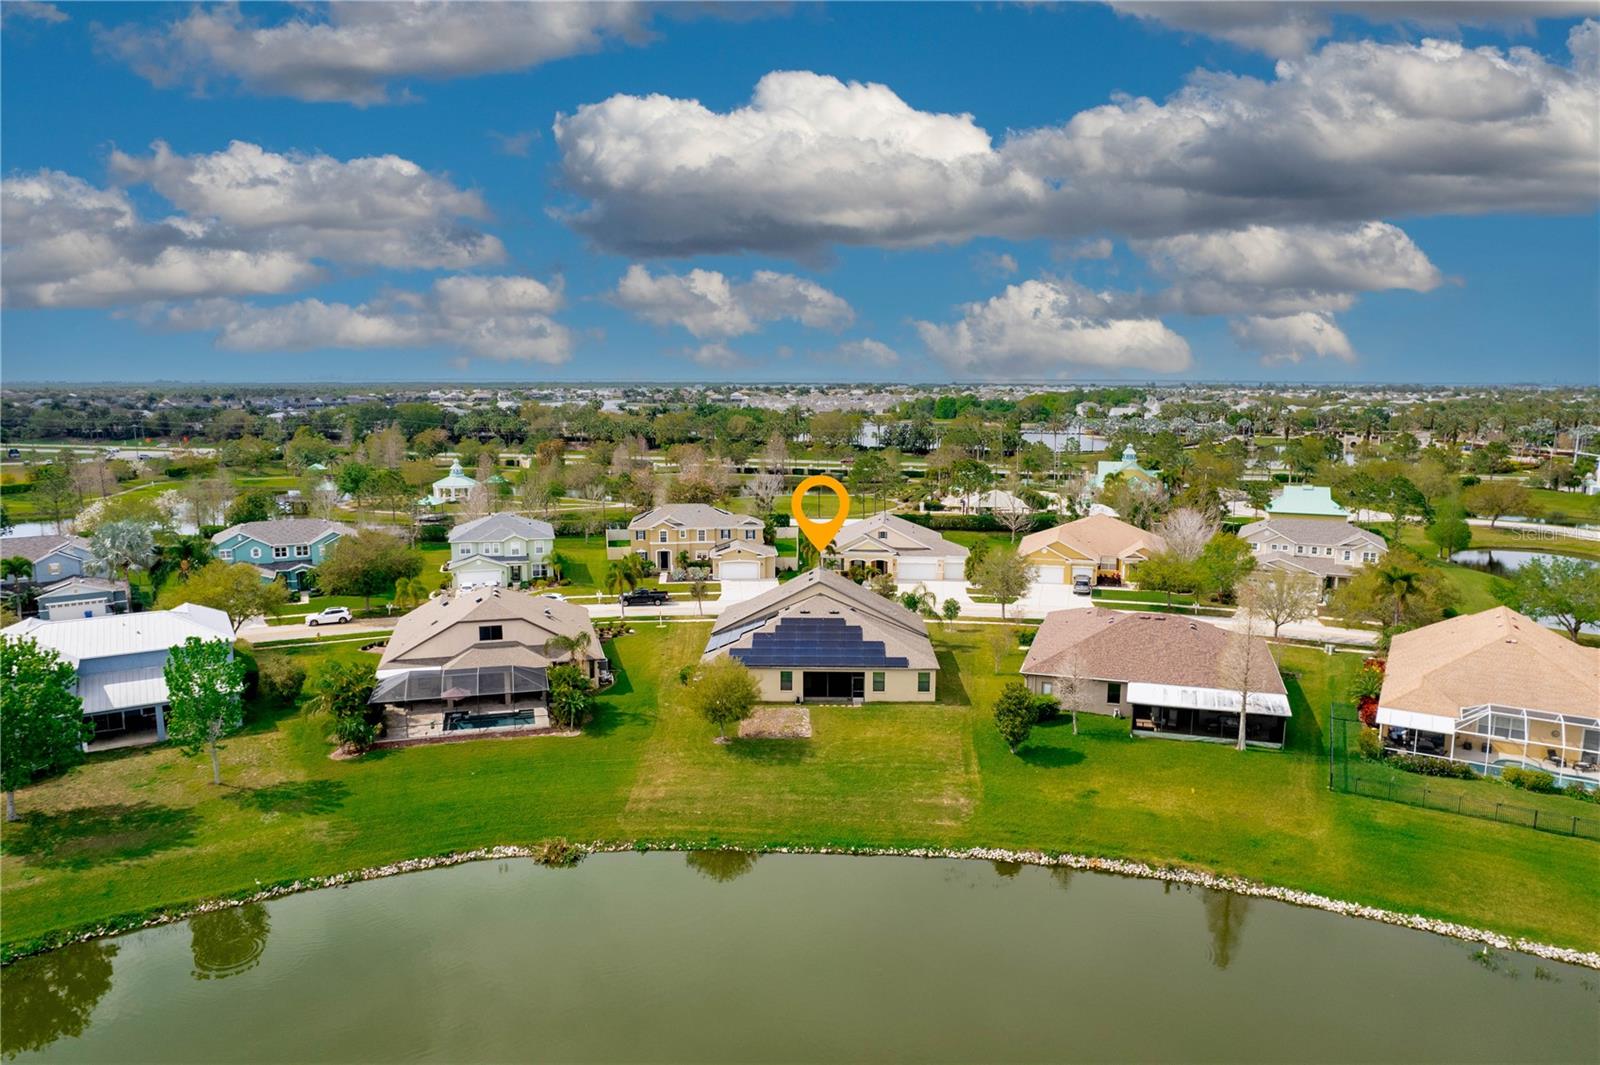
(1114,866)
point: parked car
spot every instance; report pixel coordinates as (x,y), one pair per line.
(557,596)
(1081,586)
(330,615)
(644,597)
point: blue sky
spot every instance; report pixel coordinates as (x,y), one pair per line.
(861,192)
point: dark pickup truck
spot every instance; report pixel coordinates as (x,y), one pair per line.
(644,597)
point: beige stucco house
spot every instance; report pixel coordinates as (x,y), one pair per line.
(1494,689)
(1170,676)
(823,638)
(1097,547)
(888,543)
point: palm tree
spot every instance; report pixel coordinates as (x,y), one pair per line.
(1400,583)
(409,591)
(622,576)
(570,646)
(683,561)
(16,568)
(698,588)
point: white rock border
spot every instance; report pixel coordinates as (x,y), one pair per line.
(1115,866)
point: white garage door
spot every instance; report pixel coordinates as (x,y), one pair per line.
(1051,575)
(740,571)
(920,569)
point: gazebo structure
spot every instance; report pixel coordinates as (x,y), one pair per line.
(453,487)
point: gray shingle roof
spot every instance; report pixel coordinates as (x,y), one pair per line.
(694,516)
(496,527)
(283,532)
(33,548)
(1327,532)
(929,543)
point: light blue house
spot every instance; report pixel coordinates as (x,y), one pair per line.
(83,597)
(54,558)
(287,547)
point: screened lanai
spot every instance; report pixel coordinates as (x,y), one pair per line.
(1492,736)
(454,686)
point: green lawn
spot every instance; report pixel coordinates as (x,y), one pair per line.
(1556,505)
(144,828)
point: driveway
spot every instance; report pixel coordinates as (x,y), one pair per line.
(739,591)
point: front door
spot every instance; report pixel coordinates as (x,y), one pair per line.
(663,560)
(516,574)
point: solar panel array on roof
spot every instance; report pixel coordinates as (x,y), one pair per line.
(830,641)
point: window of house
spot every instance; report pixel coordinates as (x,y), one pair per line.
(640,534)
(516,547)
(1299,550)
(785,680)
(877,681)
(1347,556)
(1046,688)
(1114,691)
(255,552)
(226,554)
(1369,556)
(663,537)
(700,534)
(55,567)
(749,534)
(491,632)
(302,550)
(924,681)
(883,534)
(1507,727)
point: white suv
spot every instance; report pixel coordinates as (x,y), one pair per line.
(332,615)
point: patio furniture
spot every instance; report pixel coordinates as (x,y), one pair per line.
(1584,767)
(1554,758)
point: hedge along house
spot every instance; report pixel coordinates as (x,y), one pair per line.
(1099,547)
(1169,675)
(888,543)
(1492,690)
(823,638)
(120,661)
(287,548)
(500,549)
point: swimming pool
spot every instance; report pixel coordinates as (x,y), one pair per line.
(456,722)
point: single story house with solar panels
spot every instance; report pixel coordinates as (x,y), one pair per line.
(822,637)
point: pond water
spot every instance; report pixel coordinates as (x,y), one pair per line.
(1500,562)
(730,957)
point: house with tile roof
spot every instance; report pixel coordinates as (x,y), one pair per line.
(888,543)
(120,660)
(1169,675)
(284,548)
(1101,548)
(1491,690)
(822,637)
(500,549)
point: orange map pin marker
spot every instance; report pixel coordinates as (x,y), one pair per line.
(820,533)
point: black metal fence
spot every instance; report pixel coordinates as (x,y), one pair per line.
(1349,772)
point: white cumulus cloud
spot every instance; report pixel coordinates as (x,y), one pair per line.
(1353,132)
(1290,338)
(503,318)
(1051,329)
(709,305)
(353,51)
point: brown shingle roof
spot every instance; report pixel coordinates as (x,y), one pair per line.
(1497,656)
(1152,648)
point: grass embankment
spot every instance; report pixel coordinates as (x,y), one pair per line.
(145,829)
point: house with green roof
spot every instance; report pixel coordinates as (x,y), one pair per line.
(1306,501)
(1126,467)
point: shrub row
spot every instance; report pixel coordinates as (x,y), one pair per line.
(1529,779)
(1431,767)
(949,522)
